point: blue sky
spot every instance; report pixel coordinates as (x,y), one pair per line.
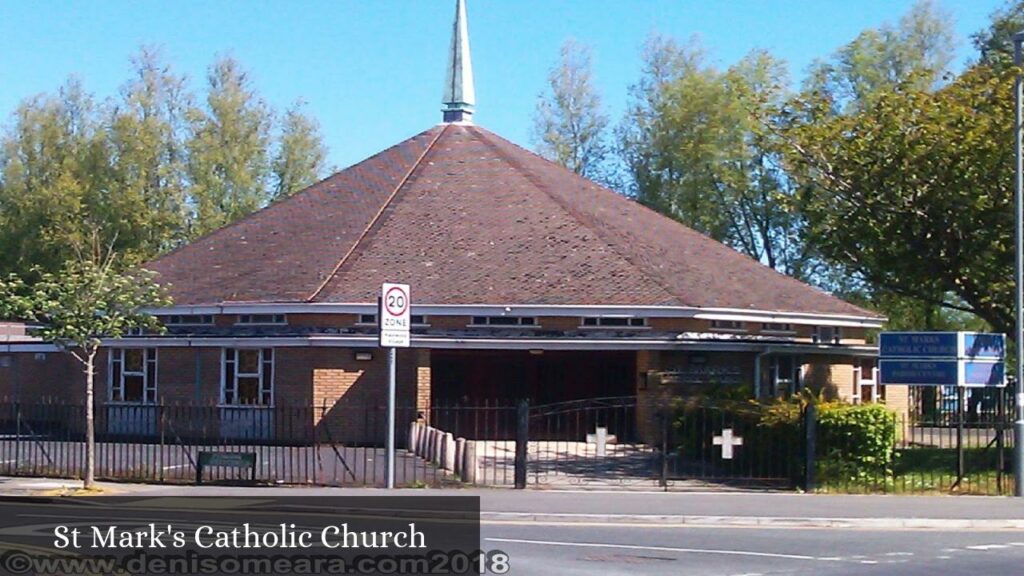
(371,71)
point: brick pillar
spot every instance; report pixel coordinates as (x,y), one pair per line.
(423,382)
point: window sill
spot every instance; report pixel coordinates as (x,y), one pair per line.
(247,406)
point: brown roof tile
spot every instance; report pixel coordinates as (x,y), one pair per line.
(475,219)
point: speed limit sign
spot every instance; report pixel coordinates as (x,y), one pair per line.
(394,315)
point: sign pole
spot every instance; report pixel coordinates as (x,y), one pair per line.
(394,321)
(1018,215)
(391,418)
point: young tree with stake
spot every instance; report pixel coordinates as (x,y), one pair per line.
(86,303)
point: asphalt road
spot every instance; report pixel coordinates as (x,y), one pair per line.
(634,550)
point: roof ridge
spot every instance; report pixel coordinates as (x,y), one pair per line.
(377,216)
(485,136)
(298,195)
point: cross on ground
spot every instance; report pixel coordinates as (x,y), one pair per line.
(727,441)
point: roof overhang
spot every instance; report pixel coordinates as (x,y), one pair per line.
(493,343)
(742,315)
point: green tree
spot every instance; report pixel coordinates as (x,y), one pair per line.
(77,309)
(300,157)
(229,156)
(912,193)
(569,124)
(995,43)
(145,205)
(918,49)
(52,161)
(696,153)
(915,53)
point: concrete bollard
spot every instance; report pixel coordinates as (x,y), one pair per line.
(421,443)
(438,448)
(448,452)
(413,432)
(460,451)
(470,466)
(431,443)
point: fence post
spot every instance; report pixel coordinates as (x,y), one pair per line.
(522,440)
(663,480)
(961,412)
(810,445)
(161,419)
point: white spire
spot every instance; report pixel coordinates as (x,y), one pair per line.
(459,95)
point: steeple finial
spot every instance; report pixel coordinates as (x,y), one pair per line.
(459,95)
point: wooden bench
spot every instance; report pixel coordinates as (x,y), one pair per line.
(226,460)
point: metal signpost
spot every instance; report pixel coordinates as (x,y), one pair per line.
(1018,260)
(393,319)
(960,359)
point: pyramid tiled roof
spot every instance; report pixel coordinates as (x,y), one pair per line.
(467,217)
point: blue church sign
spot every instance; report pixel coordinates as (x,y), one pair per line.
(971,359)
(918,344)
(942,345)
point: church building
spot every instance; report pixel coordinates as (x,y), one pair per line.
(527,282)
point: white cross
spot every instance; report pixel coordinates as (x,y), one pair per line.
(727,441)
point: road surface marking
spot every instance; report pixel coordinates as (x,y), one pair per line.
(899,554)
(988,547)
(653,548)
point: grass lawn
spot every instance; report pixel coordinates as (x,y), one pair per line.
(928,470)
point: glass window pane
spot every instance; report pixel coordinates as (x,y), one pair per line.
(133,388)
(133,359)
(248,361)
(248,390)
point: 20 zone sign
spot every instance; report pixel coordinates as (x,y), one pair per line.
(394,317)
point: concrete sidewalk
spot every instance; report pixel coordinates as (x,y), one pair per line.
(735,509)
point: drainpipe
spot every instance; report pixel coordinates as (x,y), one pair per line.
(757,372)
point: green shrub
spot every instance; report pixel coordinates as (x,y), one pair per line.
(856,443)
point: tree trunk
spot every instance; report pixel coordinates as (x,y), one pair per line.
(90,424)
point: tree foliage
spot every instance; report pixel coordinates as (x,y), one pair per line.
(913,193)
(696,153)
(995,43)
(76,309)
(146,170)
(301,155)
(916,50)
(569,125)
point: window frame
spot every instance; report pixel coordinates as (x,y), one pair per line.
(793,383)
(275,320)
(488,322)
(150,378)
(787,328)
(738,328)
(600,322)
(836,338)
(204,320)
(265,381)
